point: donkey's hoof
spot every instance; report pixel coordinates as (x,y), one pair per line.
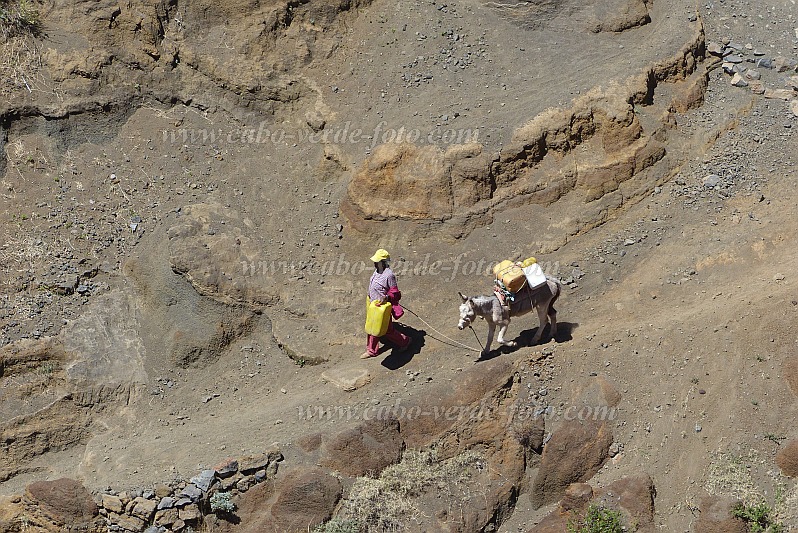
(511,344)
(484,353)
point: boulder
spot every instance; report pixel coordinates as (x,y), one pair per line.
(787,459)
(716,516)
(634,495)
(577,449)
(63,502)
(575,501)
(460,402)
(306,498)
(576,497)
(364,450)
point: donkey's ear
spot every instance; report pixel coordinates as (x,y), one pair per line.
(465,298)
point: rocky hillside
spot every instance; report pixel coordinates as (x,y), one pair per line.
(190,194)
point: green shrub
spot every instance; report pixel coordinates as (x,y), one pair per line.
(758,517)
(597,519)
(220,501)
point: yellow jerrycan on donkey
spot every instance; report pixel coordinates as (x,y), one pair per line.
(512,274)
(378,317)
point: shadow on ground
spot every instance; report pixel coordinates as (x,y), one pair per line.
(564,334)
(397,359)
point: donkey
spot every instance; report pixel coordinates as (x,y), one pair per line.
(541,298)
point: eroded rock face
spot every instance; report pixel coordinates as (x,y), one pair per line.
(95,361)
(619,15)
(407,182)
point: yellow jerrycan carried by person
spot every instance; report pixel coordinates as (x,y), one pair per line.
(378,317)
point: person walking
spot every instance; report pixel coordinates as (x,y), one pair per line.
(383,288)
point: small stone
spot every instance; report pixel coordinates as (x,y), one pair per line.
(189,513)
(778,277)
(629,242)
(734,58)
(701,391)
(752,74)
(130,523)
(166,517)
(112,503)
(226,468)
(143,508)
(764,62)
(182,502)
(192,492)
(783,64)
(251,464)
(779,94)
(615,449)
(716,49)
(245,483)
(166,502)
(711,180)
(738,81)
(730,68)
(204,480)
(794,107)
(698,428)
(757,87)
(162,490)
(792,81)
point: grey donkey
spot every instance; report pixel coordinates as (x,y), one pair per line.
(540,298)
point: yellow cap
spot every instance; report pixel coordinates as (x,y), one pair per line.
(380,255)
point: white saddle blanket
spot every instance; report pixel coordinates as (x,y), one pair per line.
(534,275)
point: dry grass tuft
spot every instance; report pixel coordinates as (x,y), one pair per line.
(387,503)
(729,475)
(19,17)
(20,64)
(786,508)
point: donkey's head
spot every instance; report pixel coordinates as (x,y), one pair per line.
(467,312)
